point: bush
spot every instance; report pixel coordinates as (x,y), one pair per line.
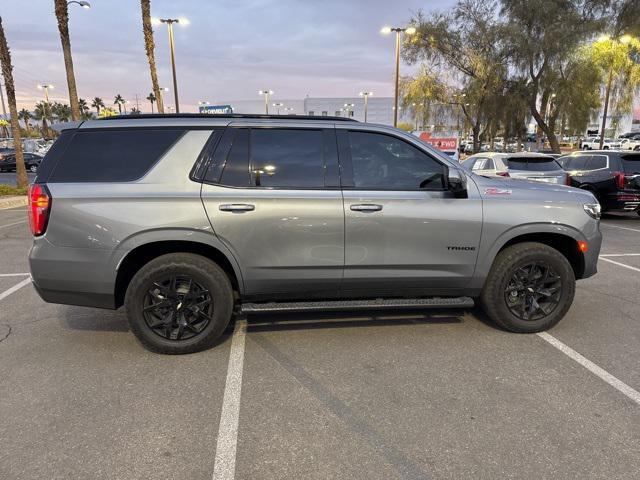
(10,190)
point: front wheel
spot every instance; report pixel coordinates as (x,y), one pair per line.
(179,303)
(529,289)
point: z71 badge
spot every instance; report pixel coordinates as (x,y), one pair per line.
(497,191)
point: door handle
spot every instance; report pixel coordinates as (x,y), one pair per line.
(366,207)
(236,207)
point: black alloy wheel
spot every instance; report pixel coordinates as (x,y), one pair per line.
(534,291)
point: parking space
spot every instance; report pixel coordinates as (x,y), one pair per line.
(393,394)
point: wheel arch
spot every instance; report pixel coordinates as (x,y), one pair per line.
(142,254)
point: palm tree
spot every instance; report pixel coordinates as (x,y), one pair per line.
(119,101)
(25,116)
(149,46)
(61,111)
(134,111)
(152,98)
(97,103)
(42,113)
(62,14)
(85,114)
(7,73)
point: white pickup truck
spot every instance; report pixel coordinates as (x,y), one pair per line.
(630,144)
(593,143)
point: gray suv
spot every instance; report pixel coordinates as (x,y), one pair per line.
(187,220)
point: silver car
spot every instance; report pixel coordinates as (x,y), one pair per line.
(187,220)
(523,165)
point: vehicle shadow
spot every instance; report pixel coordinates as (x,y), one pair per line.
(88,319)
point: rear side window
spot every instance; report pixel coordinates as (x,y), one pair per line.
(597,162)
(236,168)
(287,158)
(631,163)
(53,155)
(539,164)
(579,162)
(110,155)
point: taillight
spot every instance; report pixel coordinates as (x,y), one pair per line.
(503,174)
(39,207)
(619,178)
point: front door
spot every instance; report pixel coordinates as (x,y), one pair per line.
(405,234)
(273,198)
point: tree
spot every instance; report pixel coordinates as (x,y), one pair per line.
(149,45)
(541,37)
(7,73)
(134,111)
(466,45)
(119,101)
(152,98)
(97,103)
(61,111)
(85,114)
(25,116)
(62,14)
(42,113)
(419,92)
(4,124)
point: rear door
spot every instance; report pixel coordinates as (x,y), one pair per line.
(272,195)
(405,234)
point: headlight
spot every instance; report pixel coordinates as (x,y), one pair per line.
(592,209)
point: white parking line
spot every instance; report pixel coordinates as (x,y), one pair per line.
(620,255)
(13,274)
(15,288)
(617,226)
(635,269)
(592,367)
(12,224)
(225,462)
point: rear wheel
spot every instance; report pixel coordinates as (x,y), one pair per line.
(179,303)
(529,289)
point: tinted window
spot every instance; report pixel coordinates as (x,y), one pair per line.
(596,162)
(112,155)
(579,162)
(236,168)
(53,155)
(631,163)
(288,158)
(388,163)
(545,164)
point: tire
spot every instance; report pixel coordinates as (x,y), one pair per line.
(33,168)
(183,321)
(512,262)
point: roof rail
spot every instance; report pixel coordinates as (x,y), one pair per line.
(227,115)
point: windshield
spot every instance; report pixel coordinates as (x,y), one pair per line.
(631,163)
(538,164)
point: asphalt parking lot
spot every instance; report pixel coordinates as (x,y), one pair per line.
(396,394)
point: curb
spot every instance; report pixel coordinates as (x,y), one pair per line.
(12,202)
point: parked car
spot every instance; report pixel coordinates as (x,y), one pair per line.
(593,143)
(31,162)
(522,165)
(613,177)
(186,219)
(630,144)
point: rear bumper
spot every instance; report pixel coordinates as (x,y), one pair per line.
(72,276)
(623,202)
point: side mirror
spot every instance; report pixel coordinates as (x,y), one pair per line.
(457,182)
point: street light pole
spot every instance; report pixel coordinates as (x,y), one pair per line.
(4,110)
(398,31)
(160,90)
(266,94)
(365,95)
(46,88)
(172,52)
(278,105)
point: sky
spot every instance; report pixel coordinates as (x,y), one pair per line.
(229,51)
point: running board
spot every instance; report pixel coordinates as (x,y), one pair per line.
(445,302)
